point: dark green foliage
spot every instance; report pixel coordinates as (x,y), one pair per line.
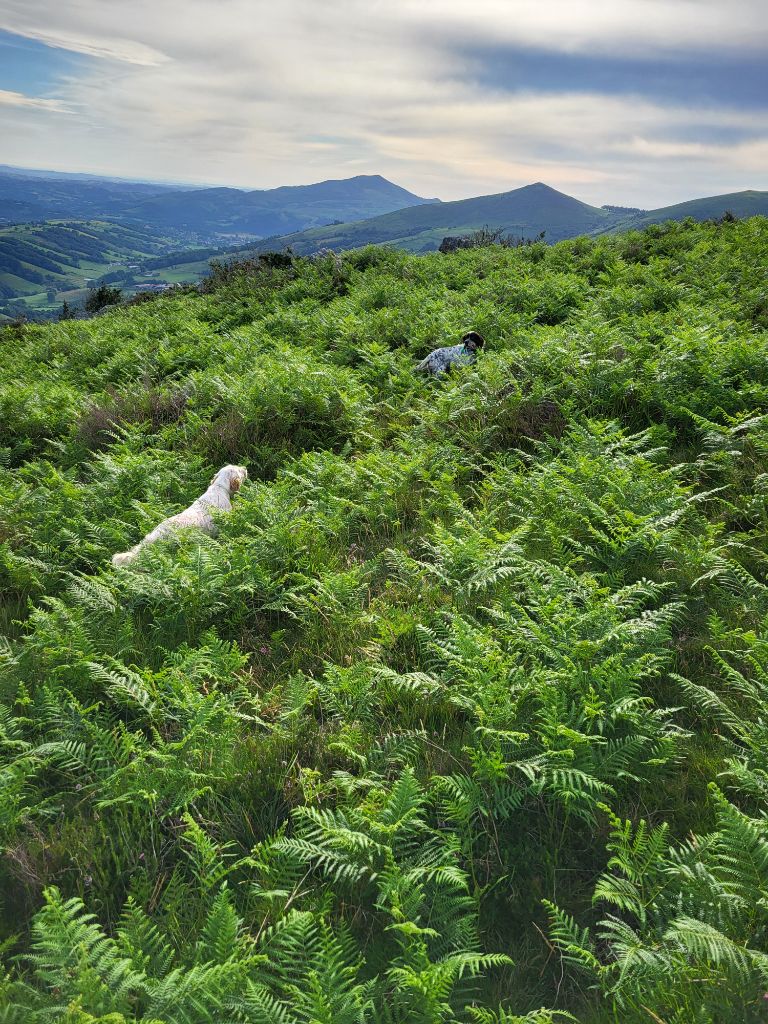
(486,236)
(101,296)
(463,711)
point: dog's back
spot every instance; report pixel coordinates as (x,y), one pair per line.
(199,514)
(441,359)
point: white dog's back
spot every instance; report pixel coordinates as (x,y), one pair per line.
(198,516)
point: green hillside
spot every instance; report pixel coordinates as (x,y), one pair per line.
(42,264)
(742,204)
(523,211)
(46,261)
(62,257)
(462,712)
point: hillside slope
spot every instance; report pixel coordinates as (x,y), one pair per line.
(462,712)
(62,256)
(524,211)
(222,211)
(749,203)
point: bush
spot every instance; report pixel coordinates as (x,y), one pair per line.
(101,296)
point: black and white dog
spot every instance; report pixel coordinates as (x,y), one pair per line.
(442,359)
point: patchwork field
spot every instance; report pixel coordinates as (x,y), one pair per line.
(42,264)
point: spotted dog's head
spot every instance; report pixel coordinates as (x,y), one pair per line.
(473,341)
(231,477)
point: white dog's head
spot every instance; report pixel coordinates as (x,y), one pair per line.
(231,477)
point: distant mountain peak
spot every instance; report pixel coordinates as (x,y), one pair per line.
(542,186)
(220,212)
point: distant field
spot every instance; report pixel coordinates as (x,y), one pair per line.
(42,264)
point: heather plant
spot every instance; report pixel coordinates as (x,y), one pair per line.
(460,715)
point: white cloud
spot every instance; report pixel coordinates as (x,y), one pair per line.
(251,93)
(110,49)
(18,99)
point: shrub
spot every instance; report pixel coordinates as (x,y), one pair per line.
(101,296)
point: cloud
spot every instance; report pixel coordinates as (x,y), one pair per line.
(590,26)
(18,99)
(251,93)
(88,28)
(109,49)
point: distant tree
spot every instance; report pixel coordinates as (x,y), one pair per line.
(67,313)
(622,209)
(51,295)
(102,296)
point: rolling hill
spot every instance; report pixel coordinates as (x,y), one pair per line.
(192,213)
(749,203)
(220,212)
(44,263)
(48,195)
(157,241)
(523,211)
(58,232)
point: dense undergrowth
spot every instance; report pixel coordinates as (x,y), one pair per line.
(464,711)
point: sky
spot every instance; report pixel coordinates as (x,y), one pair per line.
(632,102)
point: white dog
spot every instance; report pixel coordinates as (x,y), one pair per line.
(198,515)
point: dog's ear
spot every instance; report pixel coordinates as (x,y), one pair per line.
(234,483)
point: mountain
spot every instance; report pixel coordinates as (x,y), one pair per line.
(216,212)
(140,246)
(59,231)
(27,195)
(742,204)
(190,213)
(523,211)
